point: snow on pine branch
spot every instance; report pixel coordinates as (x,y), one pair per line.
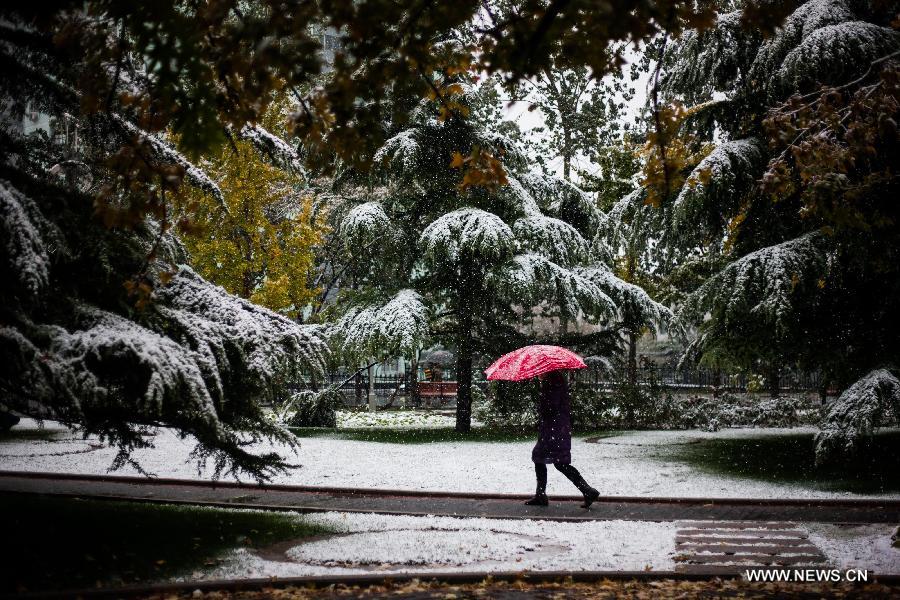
(717,182)
(710,60)
(519,197)
(858,411)
(281,153)
(555,239)
(194,175)
(400,152)
(630,297)
(808,18)
(631,225)
(156,373)
(240,344)
(762,283)
(467,232)
(26,251)
(564,200)
(365,223)
(105,364)
(531,278)
(401,324)
(835,54)
(615,224)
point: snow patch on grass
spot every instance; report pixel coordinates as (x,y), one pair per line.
(393,544)
(406,419)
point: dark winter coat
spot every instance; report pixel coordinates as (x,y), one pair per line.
(554,443)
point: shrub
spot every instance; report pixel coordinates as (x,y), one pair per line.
(729,411)
(507,405)
(593,409)
(312,409)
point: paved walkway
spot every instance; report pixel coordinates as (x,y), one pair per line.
(305,499)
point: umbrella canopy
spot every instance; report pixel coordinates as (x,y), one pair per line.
(439,357)
(532,361)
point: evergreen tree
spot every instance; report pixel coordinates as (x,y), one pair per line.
(794,203)
(442,232)
(104,326)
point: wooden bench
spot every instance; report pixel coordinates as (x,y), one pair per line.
(441,390)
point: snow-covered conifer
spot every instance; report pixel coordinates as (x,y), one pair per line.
(469,253)
(716,184)
(105,329)
(365,224)
(872,401)
(399,326)
(785,216)
(467,234)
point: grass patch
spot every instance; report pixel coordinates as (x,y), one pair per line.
(426,435)
(21,434)
(59,543)
(791,459)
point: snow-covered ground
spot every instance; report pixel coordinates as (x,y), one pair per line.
(857,546)
(394,544)
(380,543)
(630,464)
(638,463)
(408,418)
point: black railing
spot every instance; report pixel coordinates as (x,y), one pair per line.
(672,379)
(397,389)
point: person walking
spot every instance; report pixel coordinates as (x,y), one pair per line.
(554,444)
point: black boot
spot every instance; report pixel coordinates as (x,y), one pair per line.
(590,496)
(538,500)
(589,493)
(540,496)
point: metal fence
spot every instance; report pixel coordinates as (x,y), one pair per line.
(397,389)
(671,378)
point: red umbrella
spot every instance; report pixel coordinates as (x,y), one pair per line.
(532,361)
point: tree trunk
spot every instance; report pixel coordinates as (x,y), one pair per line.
(464,363)
(717,382)
(464,391)
(413,380)
(371,394)
(357,388)
(246,284)
(773,380)
(631,364)
(823,389)
(466,294)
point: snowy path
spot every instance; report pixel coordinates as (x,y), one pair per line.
(630,464)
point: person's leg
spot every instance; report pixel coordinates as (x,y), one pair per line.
(540,496)
(589,493)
